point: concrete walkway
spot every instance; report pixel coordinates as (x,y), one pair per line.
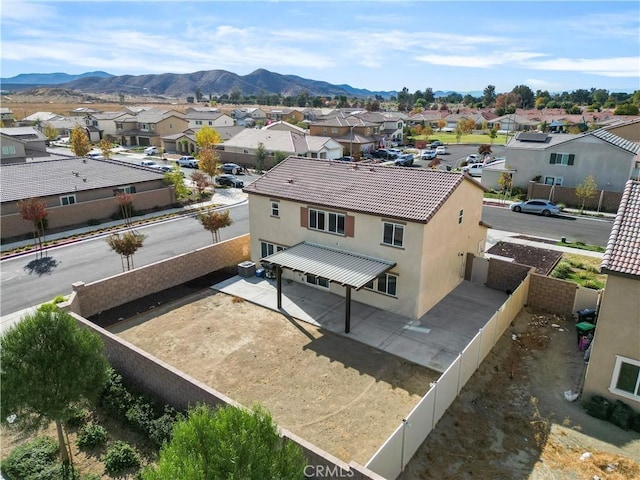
(434,340)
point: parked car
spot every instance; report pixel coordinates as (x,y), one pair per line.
(475,170)
(436,144)
(187,161)
(231,168)
(96,155)
(229,181)
(151,150)
(167,168)
(428,155)
(542,207)
(404,160)
(475,158)
(441,150)
(149,163)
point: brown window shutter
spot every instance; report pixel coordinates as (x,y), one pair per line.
(304,217)
(349,226)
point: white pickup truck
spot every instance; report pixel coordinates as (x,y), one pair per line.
(187,161)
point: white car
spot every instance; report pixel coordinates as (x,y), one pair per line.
(428,155)
(441,150)
(151,150)
(187,161)
(474,170)
(475,158)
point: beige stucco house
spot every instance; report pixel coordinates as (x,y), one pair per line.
(147,126)
(20,143)
(614,365)
(566,160)
(202,118)
(392,237)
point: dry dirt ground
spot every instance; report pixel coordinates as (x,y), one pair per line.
(511,421)
(340,395)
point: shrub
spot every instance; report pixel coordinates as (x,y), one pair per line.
(162,427)
(598,407)
(91,435)
(77,417)
(635,423)
(593,284)
(140,415)
(33,460)
(59,299)
(562,270)
(93,221)
(115,397)
(621,415)
(120,458)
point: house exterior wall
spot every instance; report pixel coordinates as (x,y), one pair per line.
(171,126)
(15,150)
(617,333)
(423,250)
(12,224)
(221,121)
(630,131)
(610,166)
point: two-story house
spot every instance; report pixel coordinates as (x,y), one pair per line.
(392,237)
(248,117)
(286,115)
(147,126)
(354,134)
(566,160)
(105,122)
(199,118)
(614,364)
(19,143)
(6,117)
(391,127)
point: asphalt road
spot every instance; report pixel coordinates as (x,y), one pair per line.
(26,282)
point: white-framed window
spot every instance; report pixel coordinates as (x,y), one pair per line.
(393,234)
(319,281)
(562,159)
(8,149)
(275,209)
(130,189)
(198,122)
(323,155)
(386,283)
(625,380)
(268,248)
(551,180)
(67,200)
(210,123)
(326,221)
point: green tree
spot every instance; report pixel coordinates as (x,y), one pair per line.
(261,157)
(213,221)
(626,109)
(227,443)
(49,364)
(126,245)
(35,211)
(175,177)
(80,144)
(278,156)
(586,190)
(493,134)
(489,95)
(526,96)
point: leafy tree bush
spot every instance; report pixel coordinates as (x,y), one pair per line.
(115,397)
(78,416)
(121,458)
(33,460)
(91,435)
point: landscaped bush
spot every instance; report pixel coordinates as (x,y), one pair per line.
(35,460)
(562,270)
(598,407)
(162,427)
(77,417)
(120,458)
(141,414)
(621,415)
(635,423)
(115,396)
(91,435)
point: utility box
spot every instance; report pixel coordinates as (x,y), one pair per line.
(247,269)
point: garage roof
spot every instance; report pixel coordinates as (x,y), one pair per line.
(340,266)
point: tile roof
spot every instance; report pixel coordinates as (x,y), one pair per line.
(622,255)
(614,139)
(413,194)
(57,177)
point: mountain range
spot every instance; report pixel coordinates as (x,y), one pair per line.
(210,82)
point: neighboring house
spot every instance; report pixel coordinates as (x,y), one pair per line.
(76,190)
(104,122)
(629,129)
(285,115)
(391,126)
(40,118)
(512,123)
(64,127)
(492,173)
(147,126)
(354,134)
(198,119)
(243,147)
(394,238)
(247,117)
(566,160)
(20,143)
(6,117)
(185,143)
(614,364)
(286,126)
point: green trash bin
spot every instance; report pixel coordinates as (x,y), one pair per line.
(584,328)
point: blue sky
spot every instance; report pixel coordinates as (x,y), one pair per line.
(379,45)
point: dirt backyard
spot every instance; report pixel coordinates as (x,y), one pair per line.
(511,421)
(340,395)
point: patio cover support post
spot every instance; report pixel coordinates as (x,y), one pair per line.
(347,311)
(279,285)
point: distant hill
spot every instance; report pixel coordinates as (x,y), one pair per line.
(216,83)
(49,78)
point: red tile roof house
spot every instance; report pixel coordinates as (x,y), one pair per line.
(394,238)
(614,364)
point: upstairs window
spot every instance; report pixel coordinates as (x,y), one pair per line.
(562,159)
(275,209)
(326,221)
(67,200)
(393,234)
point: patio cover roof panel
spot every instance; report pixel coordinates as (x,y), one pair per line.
(340,266)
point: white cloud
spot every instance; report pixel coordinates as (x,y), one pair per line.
(18,11)
(608,67)
(487,60)
(539,84)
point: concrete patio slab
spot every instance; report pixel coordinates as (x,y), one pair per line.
(434,340)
